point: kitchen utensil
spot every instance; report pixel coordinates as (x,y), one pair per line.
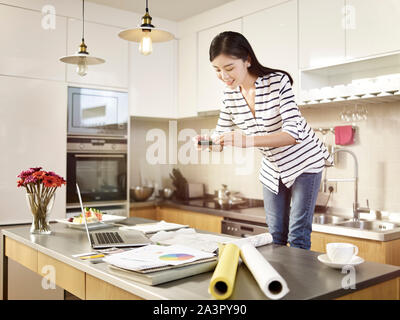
(140,193)
(223,194)
(166,193)
(356,260)
(341,252)
(180,184)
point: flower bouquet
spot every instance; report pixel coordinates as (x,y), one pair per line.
(40,188)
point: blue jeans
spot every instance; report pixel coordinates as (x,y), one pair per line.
(290,212)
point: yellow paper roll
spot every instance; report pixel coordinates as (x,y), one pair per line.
(223,279)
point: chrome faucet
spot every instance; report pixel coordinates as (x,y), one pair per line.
(356,208)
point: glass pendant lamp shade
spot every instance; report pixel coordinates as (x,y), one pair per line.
(82,58)
(146,34)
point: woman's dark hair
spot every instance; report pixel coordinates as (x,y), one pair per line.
(235,44)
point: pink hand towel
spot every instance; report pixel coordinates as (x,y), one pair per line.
(344,135)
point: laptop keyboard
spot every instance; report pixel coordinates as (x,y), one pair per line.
(108,237)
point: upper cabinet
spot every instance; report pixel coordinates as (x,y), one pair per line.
(321,33)
(103,42)
(31,45)
(373,27)
(153,81)
(272,33)
(209,87)
(335,31)
(187,70)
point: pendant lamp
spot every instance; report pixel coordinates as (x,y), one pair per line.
(146,34)
(82,58)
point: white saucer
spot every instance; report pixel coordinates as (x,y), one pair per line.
(356,260)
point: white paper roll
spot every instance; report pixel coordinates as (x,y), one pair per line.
(257,240)
(270,281)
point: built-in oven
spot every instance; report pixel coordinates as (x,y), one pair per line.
(97,112)
(99,166)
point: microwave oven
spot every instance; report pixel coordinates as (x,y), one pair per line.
(97,112)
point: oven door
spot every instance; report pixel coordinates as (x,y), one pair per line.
(101,177)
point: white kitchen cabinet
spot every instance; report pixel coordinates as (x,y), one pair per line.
(209,87)
(103,42)
(153,81)
(30,48)
(321,33)
(33,133)
(373,27)
(187,79)
(272,33)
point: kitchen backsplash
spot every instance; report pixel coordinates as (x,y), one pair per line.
(376,146)
(142,172)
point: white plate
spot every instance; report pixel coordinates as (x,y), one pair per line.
(105,219)
(356,260)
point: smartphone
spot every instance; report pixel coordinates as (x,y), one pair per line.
(205,143)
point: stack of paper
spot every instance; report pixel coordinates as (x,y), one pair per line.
(155,264)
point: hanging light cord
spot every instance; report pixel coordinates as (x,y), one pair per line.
(147,6)
(83,19)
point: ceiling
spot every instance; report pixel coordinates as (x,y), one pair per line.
(175,10)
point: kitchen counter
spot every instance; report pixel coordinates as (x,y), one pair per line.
(307,278)
(256,215)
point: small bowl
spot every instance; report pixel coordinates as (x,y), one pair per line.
(166,193)
(140,193)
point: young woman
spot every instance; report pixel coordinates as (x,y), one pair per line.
(260,102)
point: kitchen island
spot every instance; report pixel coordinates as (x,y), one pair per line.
(307,278)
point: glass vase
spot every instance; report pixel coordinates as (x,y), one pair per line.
(40,209)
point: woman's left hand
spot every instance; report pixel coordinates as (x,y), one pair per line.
(233,138)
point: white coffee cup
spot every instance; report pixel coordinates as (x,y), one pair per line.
(341,252)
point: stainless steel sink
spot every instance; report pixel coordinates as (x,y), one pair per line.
(381,230)
(320,218)
(369,225)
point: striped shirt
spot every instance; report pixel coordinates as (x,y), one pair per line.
(275,111)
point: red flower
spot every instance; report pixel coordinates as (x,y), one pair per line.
(39,174)
(50,181)
(36,175)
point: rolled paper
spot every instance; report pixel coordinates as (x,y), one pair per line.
(257,240)
(223,280)
(269,280)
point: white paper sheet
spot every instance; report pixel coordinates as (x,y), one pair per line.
(154,227)
(269,280)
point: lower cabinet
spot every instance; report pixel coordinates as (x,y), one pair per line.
(97,289)
(201,221)
(387,252)
(146,212)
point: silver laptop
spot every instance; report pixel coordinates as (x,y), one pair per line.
(102,240)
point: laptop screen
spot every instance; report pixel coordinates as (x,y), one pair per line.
(84,214)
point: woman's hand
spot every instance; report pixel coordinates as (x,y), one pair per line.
(235,139)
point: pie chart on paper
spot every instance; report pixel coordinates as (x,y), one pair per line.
(176,257)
